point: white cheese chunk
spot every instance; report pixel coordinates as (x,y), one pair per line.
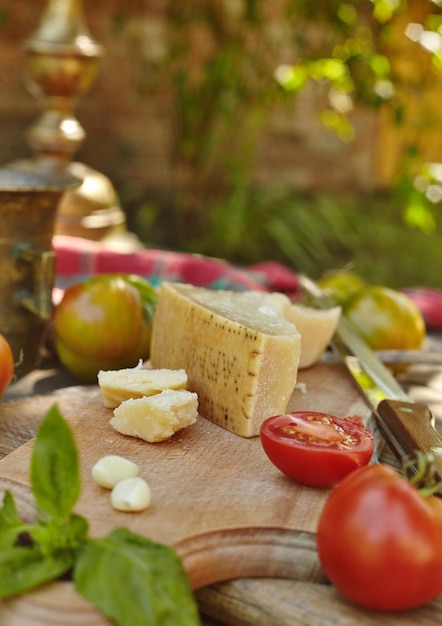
(120,385)
(156,418)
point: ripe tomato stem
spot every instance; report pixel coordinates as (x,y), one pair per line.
(421,472)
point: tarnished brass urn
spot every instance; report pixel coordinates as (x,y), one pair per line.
(28,206)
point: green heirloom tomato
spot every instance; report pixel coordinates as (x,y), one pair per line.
(341,285)
(104,323)
(387,319)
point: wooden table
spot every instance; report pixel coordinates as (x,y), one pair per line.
(302,598)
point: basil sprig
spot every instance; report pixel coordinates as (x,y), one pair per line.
(130,579)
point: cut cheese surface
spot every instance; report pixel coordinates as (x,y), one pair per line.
(119,385)
(240,356)
(250,306)
(262,311)
(317,327)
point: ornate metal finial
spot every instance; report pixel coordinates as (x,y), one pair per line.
(61,64)
(62,61)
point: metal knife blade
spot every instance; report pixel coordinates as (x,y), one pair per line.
(406,426)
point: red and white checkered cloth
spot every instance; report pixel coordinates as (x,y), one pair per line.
(79,259)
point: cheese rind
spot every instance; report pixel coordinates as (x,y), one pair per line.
(119,385)
(241,359)
(156,418)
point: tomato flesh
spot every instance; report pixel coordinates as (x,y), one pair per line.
(380,542)
(316,449)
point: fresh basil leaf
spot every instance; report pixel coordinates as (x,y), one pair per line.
(22,569)
(9,516)
(135,581)
(11,536)
(10,523)
(53,535)
(129,578)
(55,471)
(76,533)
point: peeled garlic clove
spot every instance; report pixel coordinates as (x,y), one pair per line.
(131,494)
(111,469)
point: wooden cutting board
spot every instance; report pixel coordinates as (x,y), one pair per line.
(215,496)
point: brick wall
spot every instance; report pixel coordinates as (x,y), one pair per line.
(128,134)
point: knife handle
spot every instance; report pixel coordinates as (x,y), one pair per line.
(411,426)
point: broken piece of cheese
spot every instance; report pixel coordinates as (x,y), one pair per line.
(156,418)
(240,356)
(136,382)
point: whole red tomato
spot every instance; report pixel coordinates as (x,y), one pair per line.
(429,302)
(380,541)
(6,365)
(104,323)
(316,449)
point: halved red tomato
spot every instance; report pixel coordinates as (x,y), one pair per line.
(316,449)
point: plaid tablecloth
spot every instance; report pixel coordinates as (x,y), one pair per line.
(79,259)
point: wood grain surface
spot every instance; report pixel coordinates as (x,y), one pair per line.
(245,532)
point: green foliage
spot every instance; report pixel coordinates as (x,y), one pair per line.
(314,233)
(275,223)
(226,82)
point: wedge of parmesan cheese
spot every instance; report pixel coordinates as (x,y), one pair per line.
(240,355)
(119,385)
(317,327)
(156,418)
